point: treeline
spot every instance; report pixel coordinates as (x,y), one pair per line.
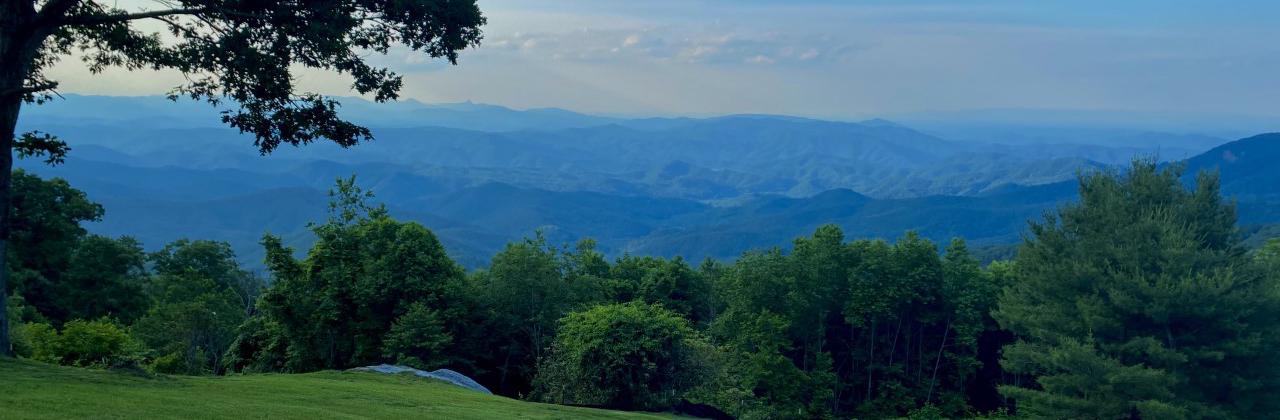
(1136,302)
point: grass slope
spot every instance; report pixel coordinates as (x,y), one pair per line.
(30,390)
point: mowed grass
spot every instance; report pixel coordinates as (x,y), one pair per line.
(31,390)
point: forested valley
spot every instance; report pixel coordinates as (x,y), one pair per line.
(1055,225)
(1137,301)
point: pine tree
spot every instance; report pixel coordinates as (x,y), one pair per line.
(1140,302)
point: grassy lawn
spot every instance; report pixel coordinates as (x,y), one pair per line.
(30,390)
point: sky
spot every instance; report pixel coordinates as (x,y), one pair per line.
(837,59)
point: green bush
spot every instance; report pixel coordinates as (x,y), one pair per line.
(627,356)
(41,340)
(17,312)
(260,346)
(82,343)
(172,363)
(928,412)
(21,344)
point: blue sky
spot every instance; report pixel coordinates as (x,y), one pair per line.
(843,59)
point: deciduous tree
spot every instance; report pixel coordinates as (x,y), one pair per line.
(628,356)
(240,56)
(365,271)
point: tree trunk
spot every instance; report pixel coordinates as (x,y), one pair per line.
(906,350)
(920,355)
(8,122)
(938,361)
(893,348)
(14,64)
(506,366)
(871,359)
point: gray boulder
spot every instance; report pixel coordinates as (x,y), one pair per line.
(443,375)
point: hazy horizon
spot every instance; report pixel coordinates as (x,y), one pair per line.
(1221,125)
(824,59)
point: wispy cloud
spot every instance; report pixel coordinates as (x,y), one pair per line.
(838,58)
(673,44)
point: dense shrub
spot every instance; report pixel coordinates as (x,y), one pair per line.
(626,356)
(82,343)
(259,346)
(17,334)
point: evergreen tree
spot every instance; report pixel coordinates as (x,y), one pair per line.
(1139,302)
(1269,255)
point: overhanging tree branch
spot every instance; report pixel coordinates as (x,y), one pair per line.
(41,87)
(54,8)
(124,17)
(53,11)
(243,52)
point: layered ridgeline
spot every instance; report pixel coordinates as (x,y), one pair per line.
(482,175)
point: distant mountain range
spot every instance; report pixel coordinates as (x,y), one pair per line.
(700,159)
(482,175)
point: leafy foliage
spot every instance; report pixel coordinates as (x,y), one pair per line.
(244,53)
(199,295)
(524,294)
(418,339)
(44,227)
(531,285)
(1137,302)
(100,343)
(672,283)
(236,55)
(864,327)
(60,270)
(628,356)
(365,271)
(104,277)
(37,144)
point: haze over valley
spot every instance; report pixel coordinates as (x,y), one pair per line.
(618,209)
(483,175)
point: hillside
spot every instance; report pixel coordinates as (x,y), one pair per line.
(1248,166)
(696,187)
(690,158)
(33,390)
(1249,174)
(474,218)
